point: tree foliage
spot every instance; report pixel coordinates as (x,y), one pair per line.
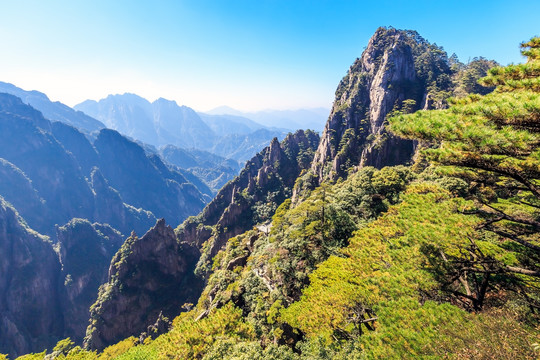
(384,295)
(492,141)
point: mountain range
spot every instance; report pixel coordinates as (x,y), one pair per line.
(164,122)
(84,187)
(54,111)
(408,229)
(291,120)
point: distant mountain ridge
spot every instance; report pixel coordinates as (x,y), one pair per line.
(230,124)
(159,123)
(164,122)
(312,118)
(223,131)
(55,111)
(213,169)
(52,173)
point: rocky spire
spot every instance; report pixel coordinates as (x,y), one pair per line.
(389,76)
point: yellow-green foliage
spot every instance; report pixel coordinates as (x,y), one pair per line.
(190,339)
(493,142)
(64,346)
(387,271)
(388,268)
(277,265)
(38,356)
(64,349)
(113,351)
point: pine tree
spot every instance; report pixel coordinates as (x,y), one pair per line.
(492,141)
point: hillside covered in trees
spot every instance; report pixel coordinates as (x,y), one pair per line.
(436,256)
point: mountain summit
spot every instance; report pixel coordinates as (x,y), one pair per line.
(398,71)
(54,111)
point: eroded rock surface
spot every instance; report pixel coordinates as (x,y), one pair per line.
(148,276)
(394,73)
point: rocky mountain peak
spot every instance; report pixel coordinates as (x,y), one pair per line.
(394,73)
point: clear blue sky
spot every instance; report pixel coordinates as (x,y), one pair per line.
(250,54)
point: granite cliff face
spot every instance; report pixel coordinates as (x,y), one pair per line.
(29,273)
(149,277)
(398,71)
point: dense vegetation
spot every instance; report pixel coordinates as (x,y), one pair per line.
(439,260)
(492,142)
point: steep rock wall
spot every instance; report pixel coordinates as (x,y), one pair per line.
(394,73)
(148,276)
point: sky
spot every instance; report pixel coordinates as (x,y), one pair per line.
(246,54)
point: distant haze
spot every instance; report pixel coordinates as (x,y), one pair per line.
(249,55)
(313,119)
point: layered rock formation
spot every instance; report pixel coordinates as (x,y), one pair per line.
(149,277)
(398,71)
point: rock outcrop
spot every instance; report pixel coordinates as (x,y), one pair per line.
(252,197)
(398,71)
(149,277)
(156,273)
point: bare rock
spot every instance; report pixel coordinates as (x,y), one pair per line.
(148,276)
(390,71)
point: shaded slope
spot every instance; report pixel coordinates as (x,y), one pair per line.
(30,312)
